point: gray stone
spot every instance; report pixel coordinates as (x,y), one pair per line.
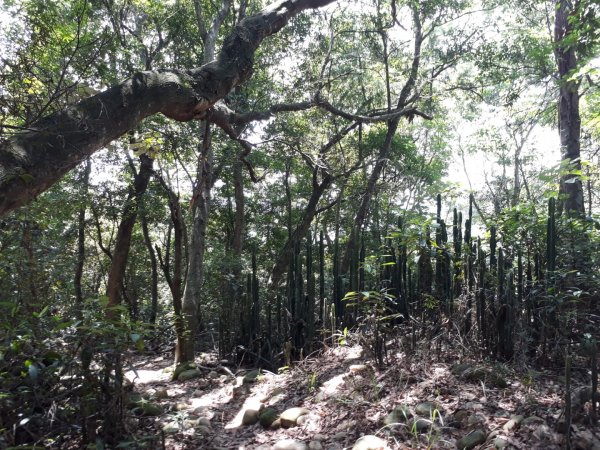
(171,428)
(189,375)
(400,414)
(250,417)
(532,420)
(426,409)
(290,444)
(513,423)
(267,417)
(204,421)
(471,440)
(182,368)
(315,445)
(370,442)
(161,394)
(213,374)
(251,376)
(500,443)
(420,425)
(203,429)
(290,416)
(543,432)
(149,409)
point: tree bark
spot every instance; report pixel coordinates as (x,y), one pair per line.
(32,161)
(569,121)
(405,98)
(81,242)
(123,241)
(153,271)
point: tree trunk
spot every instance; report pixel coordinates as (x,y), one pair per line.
(404,99)
(194,279)
(287,252)
(153,271)
(81,241)
(569,121)
(32,161)
(123,241)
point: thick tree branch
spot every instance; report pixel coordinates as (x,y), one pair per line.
(32,161)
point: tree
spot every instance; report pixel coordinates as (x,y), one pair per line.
(33,160)
(569,120)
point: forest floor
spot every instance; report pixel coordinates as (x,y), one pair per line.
(419,400)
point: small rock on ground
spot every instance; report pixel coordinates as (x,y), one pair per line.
(370,442)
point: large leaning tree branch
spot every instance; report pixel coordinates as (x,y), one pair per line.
(32,161)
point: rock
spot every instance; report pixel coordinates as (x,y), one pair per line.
(250,417)
(471,440)
(251,376)
(400,414)
(204,422)
(189,375)
(181,406)
(290,416)
(462,415)
(202,383)
(315,445)
(149,409)
(239,391)
(202,411)
(276,425)
(543,432)
(161,394)
(532,420)
(513,423)
(213,374)
(171,428)
(370,442)
(460,368)
(420,425)
(267,417)
(346,425)
(475,419)
(356,368)
(341,435)
(320,437)
(426,409)
(203,430)
(290,444)
(500,443)
(134,399)
(479,374)
(182,368)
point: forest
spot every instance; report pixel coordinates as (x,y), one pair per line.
(300,224)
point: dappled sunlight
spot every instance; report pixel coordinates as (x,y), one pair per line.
(145,376)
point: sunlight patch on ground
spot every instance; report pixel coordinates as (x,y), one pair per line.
(250,403)
(143,376)
(333,385)
(347,352)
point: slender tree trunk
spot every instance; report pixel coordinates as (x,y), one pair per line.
(153,271)
(123,241)
(81,241)
(113,392)
(569,121)
(193,286)
(404,99)
(175,281)
(287,252)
